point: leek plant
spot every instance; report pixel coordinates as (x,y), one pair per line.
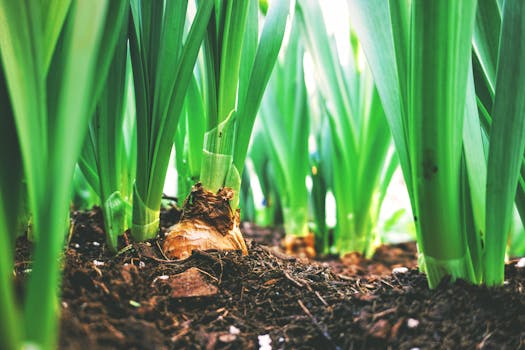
(362,158)
(237,66)
(162,58)
(55,56)
(105,158)
(259,200)
(462,196)
(284,116)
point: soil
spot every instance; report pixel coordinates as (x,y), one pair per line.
(267,300)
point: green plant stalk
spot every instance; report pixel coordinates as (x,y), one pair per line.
(129,168)
(10,193)
(223,49)
(284,116)
(237,69)
(322,180)
(10,330)
(44,97)
(189,141)
(425,119)
(440,57)
(360,135)
(104,155)
(162,67)
(507,139)
(256,198)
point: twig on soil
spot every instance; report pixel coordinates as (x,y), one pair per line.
(208,274)
(384,313)
(278,254)
(291,279)
(316,323)
(322,299)
(97,270)
(161,250)
(386,283)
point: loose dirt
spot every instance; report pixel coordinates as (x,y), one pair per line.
(138,299)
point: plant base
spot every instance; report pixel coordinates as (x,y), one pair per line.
(207,223)
(302,246)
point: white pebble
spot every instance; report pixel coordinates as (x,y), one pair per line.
(412,323)
(76,245)
(162,278)
(96,244)
(98,263)
(141,264)
(521,263)
(401,269)
(234,330)
(265,342)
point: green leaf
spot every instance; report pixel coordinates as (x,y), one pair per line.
(269,45)
(507,139)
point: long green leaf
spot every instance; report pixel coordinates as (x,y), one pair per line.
(507,138)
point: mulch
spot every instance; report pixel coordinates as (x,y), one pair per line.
(268,300)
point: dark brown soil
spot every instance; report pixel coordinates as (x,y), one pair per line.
(139,300)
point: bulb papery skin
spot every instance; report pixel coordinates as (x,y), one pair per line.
(207,223)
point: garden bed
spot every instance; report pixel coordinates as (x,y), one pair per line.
(139,300)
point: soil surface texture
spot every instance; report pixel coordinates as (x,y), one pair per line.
(138,299)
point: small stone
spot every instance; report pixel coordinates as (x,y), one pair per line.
(76,245)
(141,264)
(234,330)
(161,278)
(521,263)
(265,342)
(412,323)
(98,263)
(399,270)
(134,303)
(227,338)
(96,244)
